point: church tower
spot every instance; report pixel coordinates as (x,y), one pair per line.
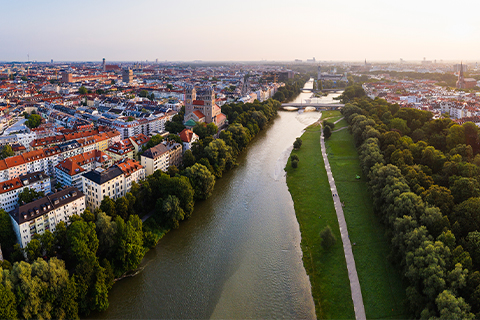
(190,96)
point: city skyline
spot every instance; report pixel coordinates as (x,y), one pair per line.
(239,31)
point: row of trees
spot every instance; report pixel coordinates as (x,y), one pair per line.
(424,179)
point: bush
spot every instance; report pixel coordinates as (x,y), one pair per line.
(294,163)
(294,157)
(328,238)
(327,123)
(298,143)
(327,132)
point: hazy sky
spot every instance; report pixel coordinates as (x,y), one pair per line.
(239,30)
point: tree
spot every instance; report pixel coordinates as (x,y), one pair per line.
(7,151)
(294,157)
(28,195)
(328,238)
(451,307)
(33,249)
(129,251)
(202,180)
(327,132)
(121,207)
(7,303)
(108,206)
(328,123)
(440,197)
(7,236)
(297,144)
(171,211)
(82,90)
(188,159)
(34,121)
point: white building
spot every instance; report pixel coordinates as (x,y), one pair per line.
(114,182)
(9,190)
(45,213)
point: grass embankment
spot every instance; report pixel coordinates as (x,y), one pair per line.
(382,289)
(314,208)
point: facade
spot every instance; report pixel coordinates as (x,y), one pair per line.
(161,157)
(200,106)
(113,182)
(9,190)
(45,213)
(121,150)
(127,75)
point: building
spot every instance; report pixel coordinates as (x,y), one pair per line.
(138,142)
(9,190)
(45,213)
(69,171)
(127,75)
(200,106)
(161,157)
(188,138)
(121,150)
(132,171)
(113,182)
(67,77)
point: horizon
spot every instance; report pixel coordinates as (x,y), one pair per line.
(275,31)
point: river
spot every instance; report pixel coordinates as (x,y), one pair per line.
(239,254)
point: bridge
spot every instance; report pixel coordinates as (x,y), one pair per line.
(318,106)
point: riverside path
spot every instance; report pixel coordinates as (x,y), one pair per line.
(347,246)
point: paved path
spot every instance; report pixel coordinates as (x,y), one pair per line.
(347,246)
(339,120)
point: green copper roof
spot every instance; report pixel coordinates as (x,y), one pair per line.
(190,123)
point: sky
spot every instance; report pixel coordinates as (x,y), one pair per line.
(245,30)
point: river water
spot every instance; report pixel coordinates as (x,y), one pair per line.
(239,254)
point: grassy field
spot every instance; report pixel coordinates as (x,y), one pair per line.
(314,208)
(381,285)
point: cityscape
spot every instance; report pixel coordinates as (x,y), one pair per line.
(254,160)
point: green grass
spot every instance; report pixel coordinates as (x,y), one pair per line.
(314,208)
(382,289)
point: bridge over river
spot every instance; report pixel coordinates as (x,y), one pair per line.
(318,106)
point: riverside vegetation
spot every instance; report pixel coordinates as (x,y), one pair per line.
(424,178)
(69,272)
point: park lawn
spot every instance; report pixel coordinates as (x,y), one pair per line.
(382,289)
(314,208)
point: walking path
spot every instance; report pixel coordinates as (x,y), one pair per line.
(347,246)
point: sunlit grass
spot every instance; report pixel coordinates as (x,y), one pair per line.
(382,289)
(314,209)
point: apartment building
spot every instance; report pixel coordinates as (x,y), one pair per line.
(161,157)
(45,213)
(113,182)
(69,171)
(10,189)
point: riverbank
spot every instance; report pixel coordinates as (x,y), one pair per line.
(314,209)
(381,285)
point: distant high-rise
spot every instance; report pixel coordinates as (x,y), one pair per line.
(67,77)
(457,67)
(103,65)
(461,79)
(127,75)
(51,61)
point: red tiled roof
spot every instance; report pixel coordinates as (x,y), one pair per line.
(198,114)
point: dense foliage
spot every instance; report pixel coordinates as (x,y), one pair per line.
(291,89)
(424,177)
